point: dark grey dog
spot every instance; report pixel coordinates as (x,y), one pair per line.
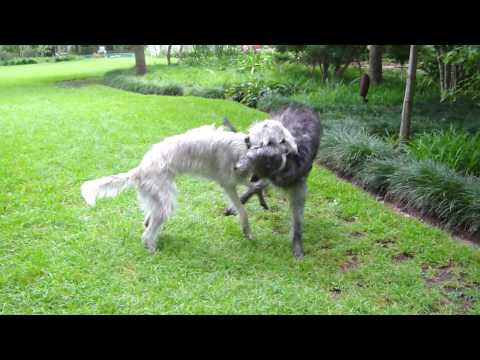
(270,164)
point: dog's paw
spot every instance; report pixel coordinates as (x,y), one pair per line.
(151,247)
(248,235)
(229,211)
(298,253)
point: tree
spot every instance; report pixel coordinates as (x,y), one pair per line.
(399,53)
(456,69)
(409,95)
(375,64)
(331,59)
(169,52)
(140,65)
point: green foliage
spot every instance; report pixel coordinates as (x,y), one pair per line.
(457,149)
(283,57)
(467,57)
(335,57)
(398,53)
(254,61)
(87,49)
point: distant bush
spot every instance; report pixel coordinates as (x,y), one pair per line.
(5,55)
(18,62)
(66,58)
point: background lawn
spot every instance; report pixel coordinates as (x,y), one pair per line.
(59,256)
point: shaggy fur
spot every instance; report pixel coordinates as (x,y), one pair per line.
(207,152)
(286,169)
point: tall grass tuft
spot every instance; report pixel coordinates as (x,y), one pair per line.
(435,189)
(458,149)
(346,149)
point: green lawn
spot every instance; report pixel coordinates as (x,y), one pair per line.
(58,256)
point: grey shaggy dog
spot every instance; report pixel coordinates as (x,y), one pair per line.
(287,170)
(208,152)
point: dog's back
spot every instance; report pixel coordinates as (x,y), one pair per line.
(206,151)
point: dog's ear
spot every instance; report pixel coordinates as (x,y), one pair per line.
(247,141)
(290,140)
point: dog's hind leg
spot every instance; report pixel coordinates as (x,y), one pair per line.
(232,194)
(153,219)
(297,204)
(151,231)
(157,208)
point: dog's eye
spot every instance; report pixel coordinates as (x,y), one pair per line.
(283,141)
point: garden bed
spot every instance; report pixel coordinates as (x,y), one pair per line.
(422,187)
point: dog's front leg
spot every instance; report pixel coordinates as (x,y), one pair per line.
(253,189)
(297,204)
(235,200)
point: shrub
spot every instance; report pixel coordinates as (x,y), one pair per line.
(210,93)
(346,149)
(455,148)
(249,93)
(124,80)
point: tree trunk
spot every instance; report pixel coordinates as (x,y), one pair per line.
(375,64)
(340,71)
(409,95)
(325,68)
(169,53)
(140,65)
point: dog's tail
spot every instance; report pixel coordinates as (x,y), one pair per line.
(229,125)
(108,186)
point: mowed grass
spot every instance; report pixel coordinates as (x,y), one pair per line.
(58,256)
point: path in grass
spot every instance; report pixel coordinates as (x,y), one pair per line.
(59,256)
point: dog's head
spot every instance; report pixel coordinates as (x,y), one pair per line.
(267,160)
(271,133)
(268,143)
